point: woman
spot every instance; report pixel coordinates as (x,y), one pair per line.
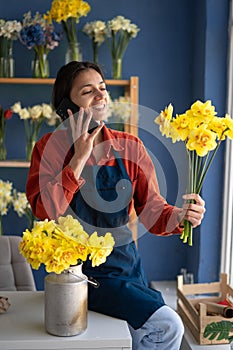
(100,175)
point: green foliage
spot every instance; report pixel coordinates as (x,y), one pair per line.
(219,330)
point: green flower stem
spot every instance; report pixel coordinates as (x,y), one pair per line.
(30,217)
(2,137)
(69,27)
(198,168)
(117,46)
(2,149)
(95,50)
(32,129)
(117,68)
(40,63)
(200,184)
(2,54)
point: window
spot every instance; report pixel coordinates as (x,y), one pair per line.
(227,226)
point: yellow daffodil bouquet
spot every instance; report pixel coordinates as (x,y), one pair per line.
(62,244)
(202,132)
(68,13)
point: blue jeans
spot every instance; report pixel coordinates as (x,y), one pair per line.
(163,331)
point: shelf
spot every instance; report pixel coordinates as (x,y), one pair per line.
(50,81)
(131,90)
(14,164)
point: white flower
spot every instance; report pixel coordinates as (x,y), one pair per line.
(119,31)
(5,196)
(119,108)
(47,110)
(10,29)
(95,30)
(115,24)
(54,119)
(16,108)
(35,112)
(24,113)
(2,23)
(20,203)
(121,23)
(28,20)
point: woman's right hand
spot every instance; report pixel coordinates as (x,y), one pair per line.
(83,141)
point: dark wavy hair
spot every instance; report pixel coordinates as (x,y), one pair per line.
(65,78)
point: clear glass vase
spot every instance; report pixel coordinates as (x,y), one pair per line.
(1,67)
(95,51)
(9,62)
(40,65)
(73,52)
(2,149)
(117,68)
(2,54)
(29,147)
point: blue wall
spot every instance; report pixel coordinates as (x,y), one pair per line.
(180,55)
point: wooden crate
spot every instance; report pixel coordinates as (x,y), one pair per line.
(189,295)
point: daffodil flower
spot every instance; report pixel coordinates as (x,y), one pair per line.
(60,245)
(202,132)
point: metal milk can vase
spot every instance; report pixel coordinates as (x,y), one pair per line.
(66,302)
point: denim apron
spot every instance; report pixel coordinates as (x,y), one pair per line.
(102,205)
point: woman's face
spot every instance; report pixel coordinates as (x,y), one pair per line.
(89,91)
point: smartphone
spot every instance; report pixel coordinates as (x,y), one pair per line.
(65,104)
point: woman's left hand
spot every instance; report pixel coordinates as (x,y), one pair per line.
(193,212)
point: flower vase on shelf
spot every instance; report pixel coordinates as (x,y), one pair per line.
(116,68)
(2,149)
(2,54)
(32,128)
(1,67)
(40,64)
(73,52)
(9,63)
(95,52)
(29,147)
(2,135)
(66,302)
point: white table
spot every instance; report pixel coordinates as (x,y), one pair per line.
(22,327)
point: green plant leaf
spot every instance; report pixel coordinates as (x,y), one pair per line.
(219,330)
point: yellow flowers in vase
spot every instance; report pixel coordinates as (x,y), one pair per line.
(60,245)
(68,13)
(202,132)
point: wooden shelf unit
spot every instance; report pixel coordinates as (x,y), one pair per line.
(14,164)
(46,81)
(131,89)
